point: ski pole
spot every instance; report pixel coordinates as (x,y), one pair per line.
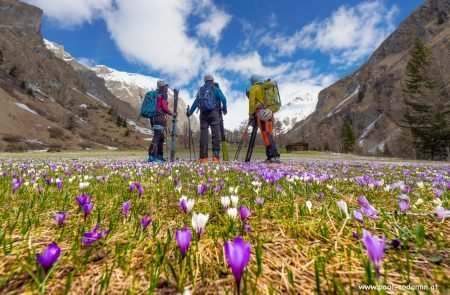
(189,136)
(244,135)
(251,144)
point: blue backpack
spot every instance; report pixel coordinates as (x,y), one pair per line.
(148,108)
(206,100)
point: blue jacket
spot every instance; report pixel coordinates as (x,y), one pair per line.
(218,96)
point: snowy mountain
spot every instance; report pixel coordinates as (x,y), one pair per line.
(295,107)
(128,87)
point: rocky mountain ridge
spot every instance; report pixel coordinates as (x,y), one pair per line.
(371,98)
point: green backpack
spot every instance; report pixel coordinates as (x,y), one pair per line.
(272,98)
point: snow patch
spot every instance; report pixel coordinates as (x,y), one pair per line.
(127,79)
(83,106)
(97,99)
(336,109)
(26,108)
(367,130)
(140,129)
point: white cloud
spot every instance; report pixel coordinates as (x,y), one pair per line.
(73,12)
(214,20)
(349,34)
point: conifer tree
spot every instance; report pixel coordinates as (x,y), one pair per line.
(348,137)
(427,104)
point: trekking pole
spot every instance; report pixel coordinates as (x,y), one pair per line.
(174,125)
(189,136)
(251,144)
(238,151)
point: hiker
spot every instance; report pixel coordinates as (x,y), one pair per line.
(158,123)
(263,116)
(210,100)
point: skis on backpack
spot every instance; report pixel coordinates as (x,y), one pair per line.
(174,125)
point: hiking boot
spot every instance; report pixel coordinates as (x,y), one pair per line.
(203,160)
(152,159)
(216,160)
(159,157)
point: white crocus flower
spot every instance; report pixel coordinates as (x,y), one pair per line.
(418,202)
(234,200)
(309,205)
(387,188)
(232,213)
(199,222)
(420,184)
(438,202)
(225,202)
(343,206)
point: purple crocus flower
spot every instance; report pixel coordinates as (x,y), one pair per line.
(201,189)
(90,238)
(247,227)
(126,206)
(59,218)
(358,215)
(83,199)
(370,212)
(237,254)
(49,256)
(320,196)
(146,220)
(404,206)
(87,208)
(39,189)
(244,212)
(132,187)
(59,184)
(259,201)
(437,192)
(375,249)
(140,191)
(183,238)
(16,184)
(363,201)
(442,213)
(355,235)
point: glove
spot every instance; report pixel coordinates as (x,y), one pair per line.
(224,111)
(188,114)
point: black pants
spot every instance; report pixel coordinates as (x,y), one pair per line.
(209,119)
(222,128)
(157,145)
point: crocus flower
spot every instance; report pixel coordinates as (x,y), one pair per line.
(49,256)
(375,249)
(201,189)
(320,196)
(83,199)
(362,200)
(237,254)
(442,213)
(356,236)
(232,213)
(244,212)
(59,184)
(126,206)
(234,201)
(403,203)
(183,238)
(225,202)
(90,238)
(60,217)
(16,184)
(247,227)
(343,206)
(357,214)
(259,201)
(370,211)
(146,220)
(309,205)
(199,222)
(437,192)
(87,208)
(186,204)
(140,191)
(132,187)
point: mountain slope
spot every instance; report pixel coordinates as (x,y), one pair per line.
(45,102)
(371,98)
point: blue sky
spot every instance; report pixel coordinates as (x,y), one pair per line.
(304,45)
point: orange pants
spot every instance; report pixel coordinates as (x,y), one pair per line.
(266,128)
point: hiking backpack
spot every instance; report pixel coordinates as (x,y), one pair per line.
(272,98)
(206,100)
(148,108)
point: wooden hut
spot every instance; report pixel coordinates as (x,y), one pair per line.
(297,146)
